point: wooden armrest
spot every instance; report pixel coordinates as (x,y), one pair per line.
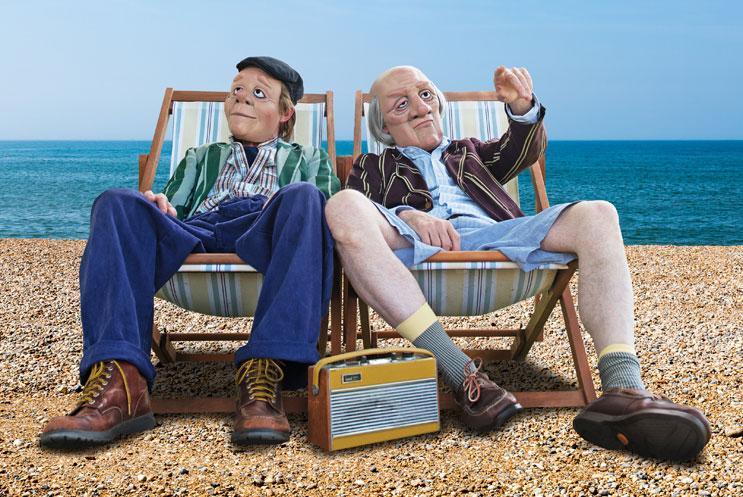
(142,166)
(215,258)
(461,256)
(343,166)
(469,256)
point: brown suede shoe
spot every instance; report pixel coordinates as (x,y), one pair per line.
(485,405)
(647,424)
(260,417)
(115,402)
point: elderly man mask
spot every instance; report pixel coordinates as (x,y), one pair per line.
(427,193)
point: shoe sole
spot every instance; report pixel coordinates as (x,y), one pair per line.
(652,433)
(78,439)
(259,437)
(502,418)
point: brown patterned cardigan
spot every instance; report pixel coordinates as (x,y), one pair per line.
(479,168)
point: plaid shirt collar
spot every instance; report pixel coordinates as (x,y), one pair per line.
(268,143)
(239,148)
(264,159)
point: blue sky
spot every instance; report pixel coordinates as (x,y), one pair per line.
(604,70)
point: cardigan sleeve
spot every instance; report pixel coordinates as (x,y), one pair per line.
(366,177)
(180,187)
(321,172)
(519,147)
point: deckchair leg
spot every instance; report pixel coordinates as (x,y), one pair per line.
(368,339)
(322,340)
(142,165)
(350,304)
(336,309)
(336,339)
(572,398)
(523,343)
(366,334)
(577,347)
(540,335)
(162,346)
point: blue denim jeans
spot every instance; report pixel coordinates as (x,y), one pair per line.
(133,249)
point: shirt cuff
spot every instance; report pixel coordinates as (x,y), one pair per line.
(400,208)
(530,117)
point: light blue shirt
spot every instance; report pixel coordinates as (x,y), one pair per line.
(448,198)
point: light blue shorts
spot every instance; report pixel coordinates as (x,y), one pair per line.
(519,239)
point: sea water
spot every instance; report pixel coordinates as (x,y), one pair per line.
(666,192)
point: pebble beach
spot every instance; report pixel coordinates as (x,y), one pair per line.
(689,338)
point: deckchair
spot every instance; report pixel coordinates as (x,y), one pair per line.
(222,284)
(475,283)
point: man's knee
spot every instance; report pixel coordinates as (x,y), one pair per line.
(345,215)
(592,215)
(605,212)
(304,195)
(301,189)
(601,216)
(594,226)
(115,199)
(116,195)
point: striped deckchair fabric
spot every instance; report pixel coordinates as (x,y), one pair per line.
(484,120)
(228,290)
(474,288)
(199,123)
(477,288)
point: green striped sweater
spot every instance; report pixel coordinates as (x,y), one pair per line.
(195,175)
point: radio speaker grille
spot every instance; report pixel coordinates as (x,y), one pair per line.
(395,405)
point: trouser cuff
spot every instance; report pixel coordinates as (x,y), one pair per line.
(108,350)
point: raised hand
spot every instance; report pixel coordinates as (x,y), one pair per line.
(514,87)
(432,230)
(161,201)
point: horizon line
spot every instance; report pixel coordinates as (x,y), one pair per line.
(351,139)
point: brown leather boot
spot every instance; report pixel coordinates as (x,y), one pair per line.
(485,405)
(115,402)
(642,422)
(260,417)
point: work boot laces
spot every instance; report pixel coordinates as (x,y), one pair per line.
(471,384)
(98,378)
(261,376)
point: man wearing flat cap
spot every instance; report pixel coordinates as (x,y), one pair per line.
(260,196)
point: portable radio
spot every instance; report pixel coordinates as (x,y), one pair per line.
(372,395)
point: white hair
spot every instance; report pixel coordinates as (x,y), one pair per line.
(376,116)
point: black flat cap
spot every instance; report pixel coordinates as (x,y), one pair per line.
(279,70)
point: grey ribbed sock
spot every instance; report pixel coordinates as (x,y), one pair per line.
(450,360)
(620,370)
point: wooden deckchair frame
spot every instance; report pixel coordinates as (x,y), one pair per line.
(523,338)
(162,341)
